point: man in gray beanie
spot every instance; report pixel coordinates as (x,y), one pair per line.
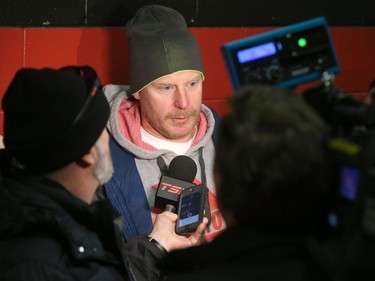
(56,155)
(159,116)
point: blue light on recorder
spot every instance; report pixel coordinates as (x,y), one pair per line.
(189,220)
(257,52)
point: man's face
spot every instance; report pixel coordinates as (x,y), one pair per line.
(170,106)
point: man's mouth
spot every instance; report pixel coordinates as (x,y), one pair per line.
(180,119)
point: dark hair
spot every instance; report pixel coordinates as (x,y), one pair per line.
(270,156)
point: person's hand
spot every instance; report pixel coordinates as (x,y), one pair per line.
(164,232)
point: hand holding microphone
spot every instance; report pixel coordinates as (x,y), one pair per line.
(164,233)
(177,193)
(170,229)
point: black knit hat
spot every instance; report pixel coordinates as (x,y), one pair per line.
(52,117)
(160,44)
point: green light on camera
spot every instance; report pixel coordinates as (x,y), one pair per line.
(302,42)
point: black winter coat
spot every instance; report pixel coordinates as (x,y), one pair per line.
(242,254)
(46,233)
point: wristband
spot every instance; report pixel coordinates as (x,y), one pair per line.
(158,245)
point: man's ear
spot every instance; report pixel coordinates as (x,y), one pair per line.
(137,96)
(88,159)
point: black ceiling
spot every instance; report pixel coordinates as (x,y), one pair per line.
(198,13)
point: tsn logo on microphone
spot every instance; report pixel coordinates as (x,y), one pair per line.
(171,188)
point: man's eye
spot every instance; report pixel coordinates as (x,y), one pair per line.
(167,88)
(193,84)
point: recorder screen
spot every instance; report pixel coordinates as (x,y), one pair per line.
(190,206)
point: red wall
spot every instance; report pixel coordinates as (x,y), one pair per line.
(106,50)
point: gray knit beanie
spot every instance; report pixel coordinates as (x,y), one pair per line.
(160,44)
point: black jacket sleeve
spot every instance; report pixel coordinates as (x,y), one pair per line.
(141,257)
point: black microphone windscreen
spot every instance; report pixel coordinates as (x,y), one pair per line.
(183,168)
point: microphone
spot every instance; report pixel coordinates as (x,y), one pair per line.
(181,173)
(183,168)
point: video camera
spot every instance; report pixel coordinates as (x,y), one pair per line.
(304,52)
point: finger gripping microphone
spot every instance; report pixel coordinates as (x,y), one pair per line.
(181,173)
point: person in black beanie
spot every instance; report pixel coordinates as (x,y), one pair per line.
(56,155)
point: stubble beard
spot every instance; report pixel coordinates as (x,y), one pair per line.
(170,129)
(104,168)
